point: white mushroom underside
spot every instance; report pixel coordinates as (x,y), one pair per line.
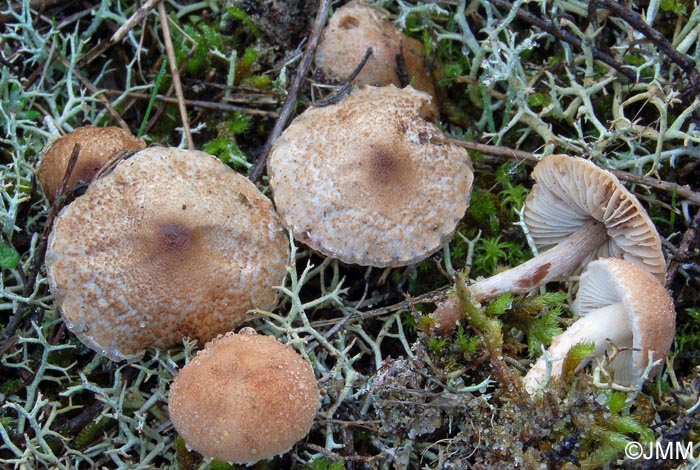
(602,327)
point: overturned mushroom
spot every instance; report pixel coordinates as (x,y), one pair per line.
(575,213)
(244,398)
(98,145)
(169,244)
(370,180)
(622,304)
(395,58)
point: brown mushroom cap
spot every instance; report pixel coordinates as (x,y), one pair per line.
(244,398)
(621,302)
(169,244)
(353,29)
(368,180)
(98,145)
(571,191)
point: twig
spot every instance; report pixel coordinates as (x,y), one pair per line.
(690,238)
(684,192)
(289,103)
(564,35)
(105,102)
(198,103)
(172,62)
(637,22)
(120,33)
(40,251)
(346,86)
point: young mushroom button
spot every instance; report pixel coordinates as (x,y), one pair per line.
(575,213)
(170,244)
(352,30)
(622,304)
(370,180)
(98,145)
(244,398)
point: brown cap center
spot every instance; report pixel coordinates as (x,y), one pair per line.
(173,238)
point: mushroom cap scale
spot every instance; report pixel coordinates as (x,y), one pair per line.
(98,145)
(652,317)
(367,182)
(570,191)
(244,398)
(352,30)
(170,244)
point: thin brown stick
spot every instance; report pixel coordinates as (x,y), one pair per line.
(636,21)
(172,62)
(563,35)
(199,104)
(685,192)
(289,103)
(96,92)
(120,33)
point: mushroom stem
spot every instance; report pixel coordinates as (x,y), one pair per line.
(559,261)
(607,323)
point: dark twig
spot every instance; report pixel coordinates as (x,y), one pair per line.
(637,22)
(690,239)
(565,36)
(289,104)
(346,86)
(40,251)
(175,75)
(684,192)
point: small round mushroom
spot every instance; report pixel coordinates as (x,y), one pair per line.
(619,303)
(352,30)
(170,244)
(244,398)
(98,145)
(575,213)
(370,180)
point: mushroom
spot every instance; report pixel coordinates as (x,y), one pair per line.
(98,145)
(575,213)
(244,398)
(619,303)
(352,30)
(170,244)
(370,180)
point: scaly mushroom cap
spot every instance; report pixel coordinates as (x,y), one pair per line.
(352,30)
(366,180)
(98,145)
(570,191)
(652,317)
(244,398)
(169,244)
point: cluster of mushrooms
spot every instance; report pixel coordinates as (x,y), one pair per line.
(168,243)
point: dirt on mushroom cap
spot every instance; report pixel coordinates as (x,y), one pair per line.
(370,180)
(244,398)
(171,244)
